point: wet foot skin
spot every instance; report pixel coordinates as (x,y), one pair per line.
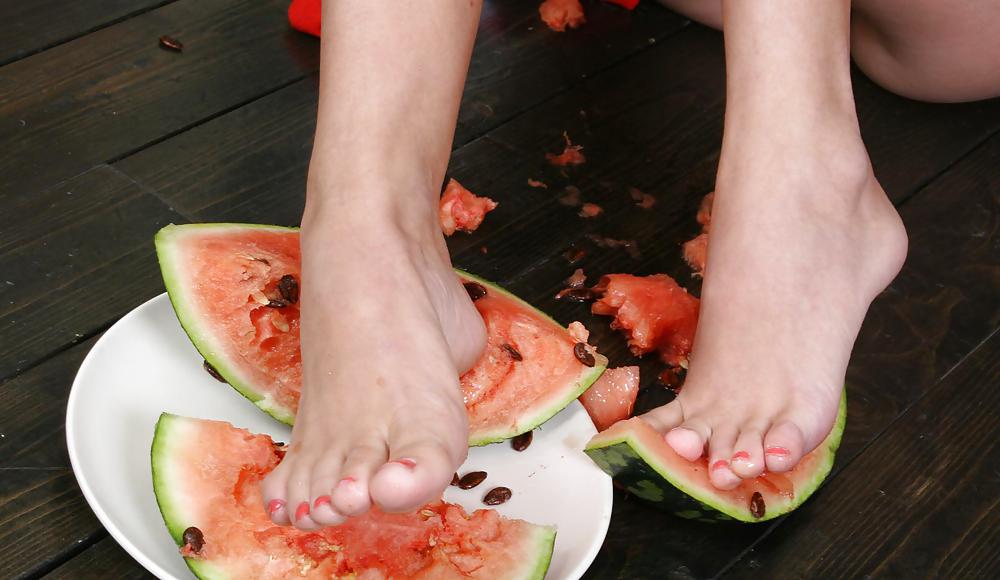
(803,238)
(384,337)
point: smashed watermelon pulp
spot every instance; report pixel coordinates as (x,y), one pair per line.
(642,462)
(206,475)
(612,397)
(223,280)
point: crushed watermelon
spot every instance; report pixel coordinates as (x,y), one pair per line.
(696,250)
(571,154)
(612,397)
(561,14)
(461,209)
(654,313)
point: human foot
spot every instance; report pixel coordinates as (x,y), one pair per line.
(799,247)
(386,329)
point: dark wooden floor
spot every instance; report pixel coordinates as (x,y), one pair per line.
(105,137)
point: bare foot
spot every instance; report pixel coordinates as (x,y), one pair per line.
(386,329)
(802,241)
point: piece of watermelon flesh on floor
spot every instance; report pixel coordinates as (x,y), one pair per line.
(612,397)
(642,462)
(206,474)
(221,279)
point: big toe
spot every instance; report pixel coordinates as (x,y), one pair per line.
(688,440)
(783,447)
(417,473)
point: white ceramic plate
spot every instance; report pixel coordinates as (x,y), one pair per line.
(145,365)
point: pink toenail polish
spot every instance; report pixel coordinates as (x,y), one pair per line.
(321,501)
(345,481)
(777,451)
(406,461)
(275,505)
(741,456)
(302,511)
(720,464)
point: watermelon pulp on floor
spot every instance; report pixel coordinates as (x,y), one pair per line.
(235,290)
(641,461)
(206,478)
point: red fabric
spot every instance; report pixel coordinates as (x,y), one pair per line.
(630,4)
(304,16)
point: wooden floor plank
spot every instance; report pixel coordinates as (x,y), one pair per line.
(72,259)
(101,96)
(29,27)
(922,502)
(105,559)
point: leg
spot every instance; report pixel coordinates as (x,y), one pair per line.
(386,326)
(802,239)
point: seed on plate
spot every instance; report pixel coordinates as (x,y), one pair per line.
(471,479)
(757,507)
(289,288)
(455,479)
(497,496)
(475,290)
(170,43)
(212,371)
(521,442)
(194,539)
(514,354)
(583,355)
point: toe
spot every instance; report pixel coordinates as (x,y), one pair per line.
(416,474)
(748,455)
(783,446)
(324,477)
(299,506)
(666,417)
(273,491)
(720,471)
(351,495)
(689,439)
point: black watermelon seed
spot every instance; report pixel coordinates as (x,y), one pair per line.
(583,355)
(514,354)
(455,479)
(497,496)
(471,479)
(475,290)
(194,539)
(521,442)
(579,295)
(171,43)
(757,507)
(289,288)
(212,371)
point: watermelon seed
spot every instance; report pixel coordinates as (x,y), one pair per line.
(455,479)
(289,288)
(512,352)
(475,290)
(171,43)
(574,255)
(497,496)
(521,442)
(757,507)
(583,355)
(578,294)
(193,538)
(277,303)
(471,479)
(212,371)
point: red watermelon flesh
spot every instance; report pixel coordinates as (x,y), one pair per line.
(206,475)
(612,397)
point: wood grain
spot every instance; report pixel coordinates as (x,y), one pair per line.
(105,559)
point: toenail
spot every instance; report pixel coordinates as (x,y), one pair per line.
(741,456)
(321,501)
(302,511)
(778,451)
(720,464)
(275,505)
(345,481)
(406,461)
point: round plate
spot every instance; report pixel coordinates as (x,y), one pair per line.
(145,365)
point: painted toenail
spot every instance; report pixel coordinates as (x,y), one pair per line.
(777,451)
(321,501)
(302,511)
(741,456)
(346,481)
(406,461)
(275,505)
(720,464)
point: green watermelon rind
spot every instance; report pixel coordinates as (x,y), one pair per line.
(201,338)
(165,436)
(627,460)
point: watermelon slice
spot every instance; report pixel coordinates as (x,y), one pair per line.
(206,478)
(235,290)
(612,397)
(642,462)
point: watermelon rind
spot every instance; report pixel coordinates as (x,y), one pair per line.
(640,471)
(201,336)
(174,431)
